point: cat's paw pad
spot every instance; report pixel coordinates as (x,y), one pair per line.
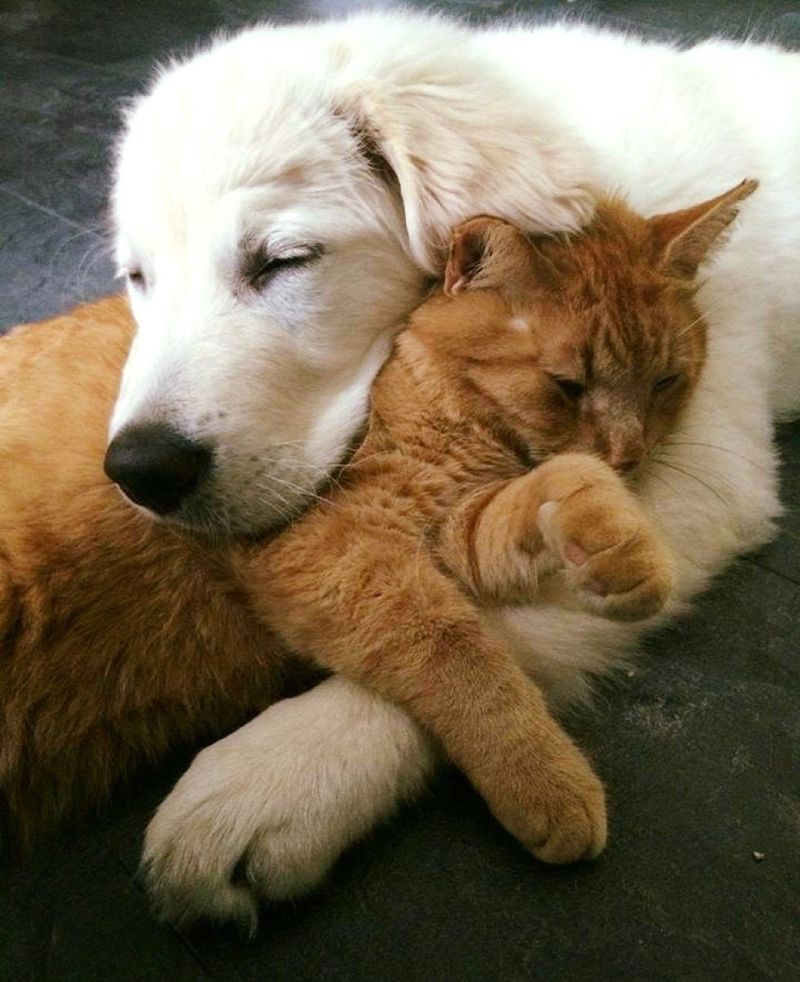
(611,553)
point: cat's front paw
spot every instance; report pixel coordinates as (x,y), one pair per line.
(557,808)
(610,550)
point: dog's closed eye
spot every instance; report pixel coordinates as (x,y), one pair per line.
(260,267)
(135,277)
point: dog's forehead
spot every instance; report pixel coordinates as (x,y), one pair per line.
(199,137)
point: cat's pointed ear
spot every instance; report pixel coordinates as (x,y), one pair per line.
(489,253)
(683,239)
(469,252)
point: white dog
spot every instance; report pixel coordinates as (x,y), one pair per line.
(281,200)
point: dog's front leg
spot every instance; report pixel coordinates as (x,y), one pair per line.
(266,811)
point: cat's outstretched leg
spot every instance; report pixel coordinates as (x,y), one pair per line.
(572,515)
(381,613)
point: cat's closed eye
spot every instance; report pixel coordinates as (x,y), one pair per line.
(571,388)
(666,382)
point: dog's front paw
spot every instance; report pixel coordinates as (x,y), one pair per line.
(266,812)
(230,834)
(226,837)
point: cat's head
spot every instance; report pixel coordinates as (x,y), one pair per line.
(589,341)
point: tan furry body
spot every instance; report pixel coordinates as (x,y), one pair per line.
(118,637)
(356,584)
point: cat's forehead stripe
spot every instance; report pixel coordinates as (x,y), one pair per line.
(615,348)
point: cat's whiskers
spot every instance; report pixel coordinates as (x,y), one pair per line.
(690,463)
(651,473)
(671,465)
(707,311)
(713,446)
(690,326)
(703,469)
(784,532)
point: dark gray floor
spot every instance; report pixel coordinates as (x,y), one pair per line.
(699,747)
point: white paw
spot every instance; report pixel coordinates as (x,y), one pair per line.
(266,812)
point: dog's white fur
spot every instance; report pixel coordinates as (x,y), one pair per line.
(257,138)
(292,813)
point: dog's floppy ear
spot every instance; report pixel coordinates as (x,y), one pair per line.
(683,239)
(458,143)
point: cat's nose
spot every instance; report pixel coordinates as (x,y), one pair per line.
(625,453)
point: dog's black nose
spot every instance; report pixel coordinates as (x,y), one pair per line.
(156,466)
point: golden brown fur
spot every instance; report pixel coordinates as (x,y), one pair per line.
(119,637)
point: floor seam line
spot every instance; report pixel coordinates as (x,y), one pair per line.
(186,945)
(48,211)
(72,60)
(755,561)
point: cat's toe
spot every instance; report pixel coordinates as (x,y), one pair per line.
(630,583)
(577,824)
(558,807)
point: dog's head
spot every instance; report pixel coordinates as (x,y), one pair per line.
(281,199)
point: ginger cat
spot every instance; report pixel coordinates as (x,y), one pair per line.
(500,436)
